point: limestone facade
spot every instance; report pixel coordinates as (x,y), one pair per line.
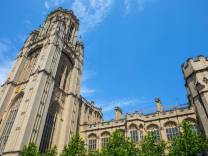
(41,98)
(196,77)
(40,101)
(163,124)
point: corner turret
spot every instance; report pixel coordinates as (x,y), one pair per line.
(195,72)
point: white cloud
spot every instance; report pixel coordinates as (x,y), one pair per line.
(136,4)
(4,47)
(47,5)
(87,75)
(125,102)
(52,3)
(90,12)
(85,91)
(127,4)
(5,67)
(5,59)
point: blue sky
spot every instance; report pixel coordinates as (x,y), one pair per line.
(133,48)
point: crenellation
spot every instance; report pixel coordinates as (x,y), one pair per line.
(44,85)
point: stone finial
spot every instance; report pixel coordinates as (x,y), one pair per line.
(118,113)
(158,104)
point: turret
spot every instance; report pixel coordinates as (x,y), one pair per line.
(118,113)
(66,21)
(195,72)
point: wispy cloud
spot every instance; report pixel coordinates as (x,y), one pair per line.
(127,4)
(139,5)
(53,3)
(6,59)
(87,75)
(90,12)
(87,91)
(4,70)
(125,102)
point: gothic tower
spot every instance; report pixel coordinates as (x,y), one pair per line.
(196,76)
(40,99)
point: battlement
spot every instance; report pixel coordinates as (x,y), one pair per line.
(194,65)
(65,11)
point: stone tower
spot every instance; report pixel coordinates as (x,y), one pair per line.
(196,76)
(40,99)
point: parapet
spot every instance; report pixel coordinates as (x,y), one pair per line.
(60,9)
(194,65)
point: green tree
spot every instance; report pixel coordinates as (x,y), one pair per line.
(94,153)
(75,147)
(51,152)
(30,150)
(119,146)
(153,146)
(189,142)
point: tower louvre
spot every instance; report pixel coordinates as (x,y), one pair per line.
(41,96)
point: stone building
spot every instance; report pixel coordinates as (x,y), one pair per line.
(41,98)
(40,101)
(163,124)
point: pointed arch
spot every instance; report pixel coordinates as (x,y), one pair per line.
(154,129)
(49,127)
(172,130)
(10,118)
(105,137)
(92,141)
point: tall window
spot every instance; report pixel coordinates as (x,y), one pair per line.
(134,133)
(105,139)
(194,125)
(63,72)
(172,130)
(140,135)
(69,35)
(92,142)
(154,130)
(49,128)
(9,122)
(30,63)
(134,136)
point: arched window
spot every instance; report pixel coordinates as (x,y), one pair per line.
(49,127)
(134,134)
(10,121)
(29,64)
(92,142)
(69,34)
(193,123)
(63,72)
(105,139)
(154,130)
(121,131)
(172,130)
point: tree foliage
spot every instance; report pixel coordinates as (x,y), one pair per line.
(94,153)
(75,147)
(51,152)
(153,146)
(30,150)
(119,146)
(189,142)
